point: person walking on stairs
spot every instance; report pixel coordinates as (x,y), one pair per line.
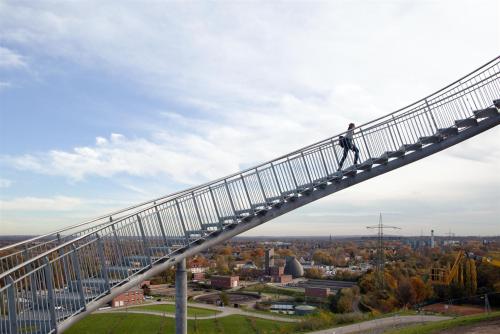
(347,143)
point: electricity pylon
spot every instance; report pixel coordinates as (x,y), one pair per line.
(380,264)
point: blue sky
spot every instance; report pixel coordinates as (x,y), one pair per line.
(104,105)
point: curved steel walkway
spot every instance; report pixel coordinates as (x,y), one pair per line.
(49,282)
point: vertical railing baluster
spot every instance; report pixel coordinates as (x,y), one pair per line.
(216,208)
(181,218)
(47,269)
(162,228)
(293,174)
(430,113)
(307,169)
(246,193)
(261,187)
(277,180)
(11,299)
(145,242)
(78,274)
(197,210)
(102,259)
(230,198)
(366,145)
(397,130)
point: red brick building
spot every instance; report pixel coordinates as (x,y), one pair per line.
(282,279)
(198,276)
(131,297)
(318,292)
(224,282)
(276,270)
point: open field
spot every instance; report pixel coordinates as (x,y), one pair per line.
(170,308)
(118,323)
(472,324)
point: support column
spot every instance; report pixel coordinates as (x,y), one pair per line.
(181,298)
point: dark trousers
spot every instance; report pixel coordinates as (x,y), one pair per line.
(350,146)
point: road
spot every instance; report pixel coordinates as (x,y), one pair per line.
(225,311)
(382,322)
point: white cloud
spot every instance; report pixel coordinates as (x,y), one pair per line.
(10,59)
(56,203)
(4,183)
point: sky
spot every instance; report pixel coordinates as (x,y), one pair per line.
(107,104)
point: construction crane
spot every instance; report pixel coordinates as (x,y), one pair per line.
(380,264)
(444,276)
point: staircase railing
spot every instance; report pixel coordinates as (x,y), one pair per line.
(48,286)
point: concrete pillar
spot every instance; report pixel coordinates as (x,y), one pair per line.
(181,298)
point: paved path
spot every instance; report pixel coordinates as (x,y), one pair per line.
(224,312)
(382,322)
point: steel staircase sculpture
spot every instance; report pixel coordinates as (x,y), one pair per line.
(50,282)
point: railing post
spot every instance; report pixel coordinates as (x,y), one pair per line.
(215,207)
(61,254)
(162,228)
(307,169)
(145,242)
(230,198)
(260,186)
(76,268)
(246,192)
(181,297)
(277,180)
(293,174)
(118,243)
(430,113)
(392,136)
(50,293)
(397,130)
(102,259)
(181,218)
(197,210)
(323,160)
(366,145)
(11,300)
(32,281)
(335,153)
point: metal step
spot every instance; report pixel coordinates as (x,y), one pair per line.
(321,185)
(430,139)
(365,165)
(335,177)
(447,132)
(485,113)
(350,171)
(395,154)
(382,160)
(411,147)
(465,123)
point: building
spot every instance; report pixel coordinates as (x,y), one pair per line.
(276,271)
(283,279)
(294,268)
(198,276)
(224,282)
(269,260)
(317,292)
(433,242)
(133,296)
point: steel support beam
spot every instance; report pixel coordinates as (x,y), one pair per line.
(181,297)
